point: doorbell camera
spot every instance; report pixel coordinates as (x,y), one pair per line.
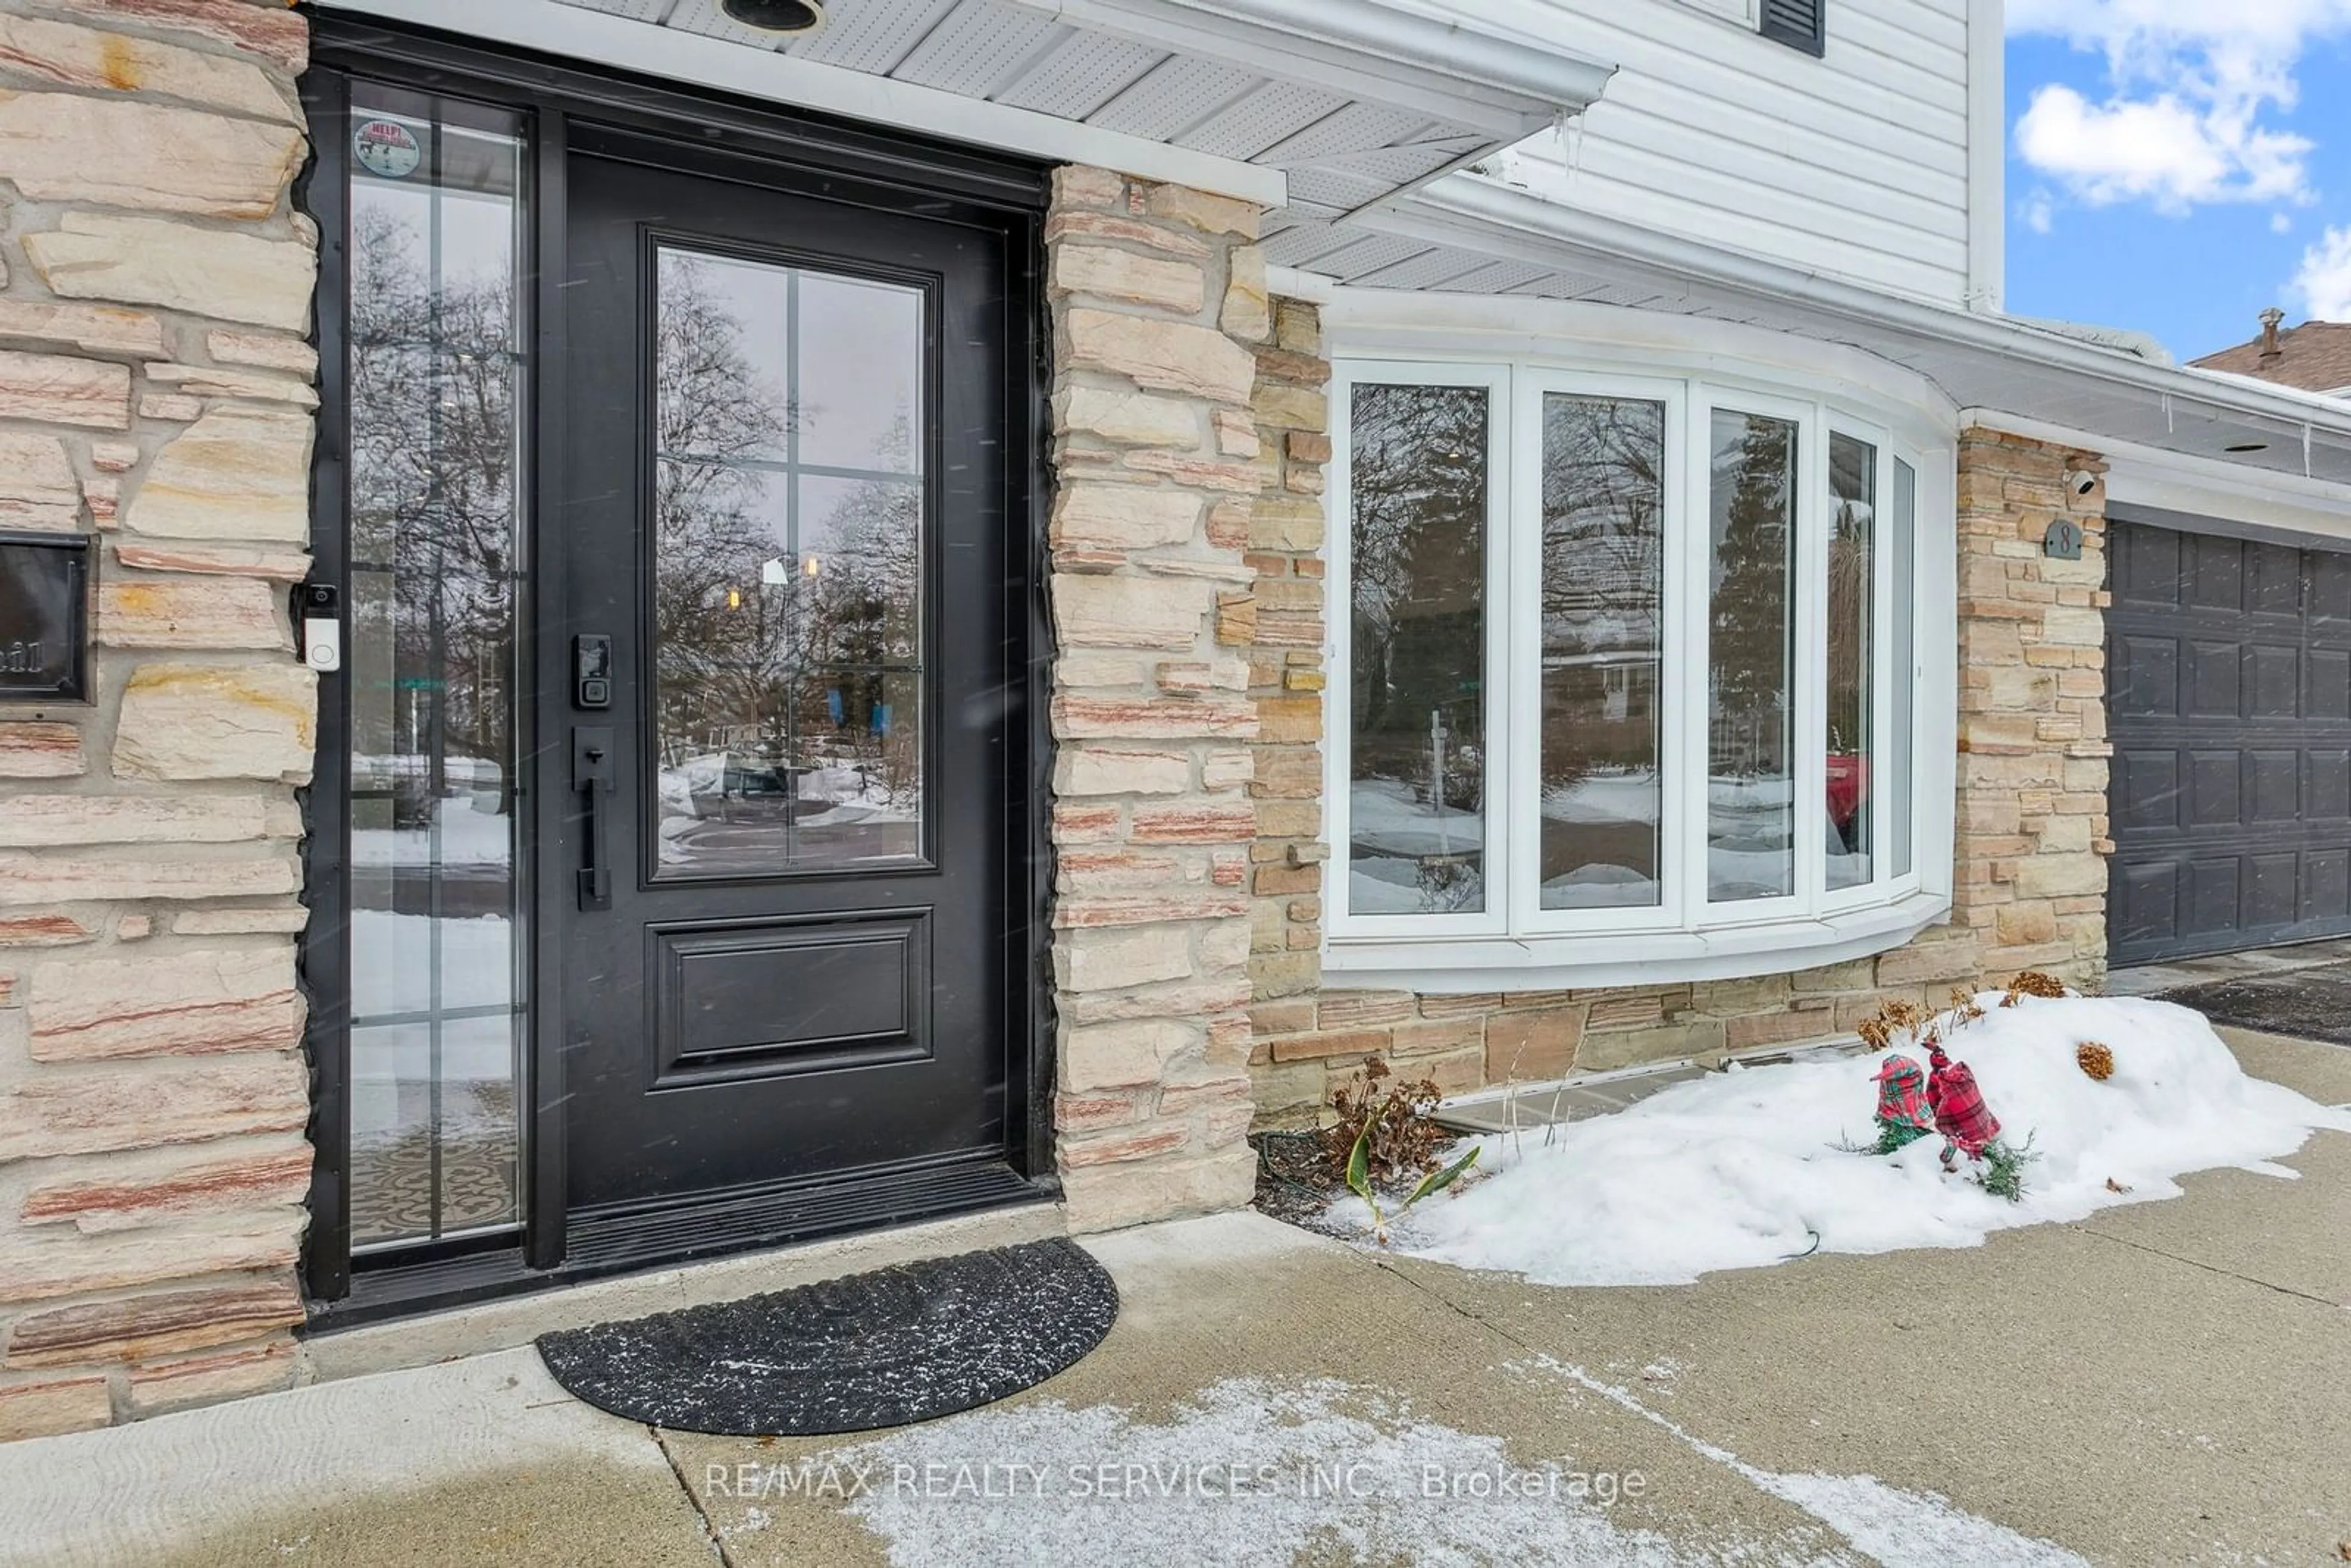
(318,615)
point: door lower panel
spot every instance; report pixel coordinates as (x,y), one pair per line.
(798,1211)
(865,984)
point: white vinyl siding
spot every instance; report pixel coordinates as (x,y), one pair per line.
(1854,165)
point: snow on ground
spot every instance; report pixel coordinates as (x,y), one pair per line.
(1391,835)
(1739,1170)
(1249,1472)
(1406,887)
(393,959)
(472,832)
(1253,1470)
(1601,887)
(1607,798)
(1385,817)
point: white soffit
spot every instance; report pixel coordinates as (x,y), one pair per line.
(1322,105)
(1361,49)
(1470,236)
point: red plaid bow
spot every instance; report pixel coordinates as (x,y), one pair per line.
(1961,1113)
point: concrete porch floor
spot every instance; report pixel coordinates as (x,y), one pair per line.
(2163,1384)
(2256,963)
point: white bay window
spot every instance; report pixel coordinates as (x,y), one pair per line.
(1633,679)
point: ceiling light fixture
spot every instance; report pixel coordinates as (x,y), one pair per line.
(776,15)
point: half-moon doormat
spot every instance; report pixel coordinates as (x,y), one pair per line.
(883,1349)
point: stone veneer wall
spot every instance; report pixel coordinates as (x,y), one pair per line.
(2030,890)
(2033,753)
(1158,296)
(155,391)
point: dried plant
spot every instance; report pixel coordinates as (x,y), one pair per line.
(2095,1059)
(1399,1138)
(2033,983)
(1898,1019)
(1385,1139)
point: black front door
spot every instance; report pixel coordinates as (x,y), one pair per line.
(783,709)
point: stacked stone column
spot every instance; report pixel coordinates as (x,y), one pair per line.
(1159,301)
(155,394)
(2034,752)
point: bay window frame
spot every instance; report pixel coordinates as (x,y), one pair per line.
(1889,449)
(1524,739)
(1515,943)
(1498,679)
(1808,779)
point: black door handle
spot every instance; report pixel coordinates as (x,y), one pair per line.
(591,774)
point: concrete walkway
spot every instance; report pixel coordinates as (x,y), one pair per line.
(2169,1383)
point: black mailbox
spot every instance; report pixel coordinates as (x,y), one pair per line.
(44,618)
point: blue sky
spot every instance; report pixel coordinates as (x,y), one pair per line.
(2176,165)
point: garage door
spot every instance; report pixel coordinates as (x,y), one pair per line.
(2230,685)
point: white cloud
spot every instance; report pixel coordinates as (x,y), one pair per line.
(2281,223)
(2160,149)
(2039,212)
(2324,283)
(2193,87)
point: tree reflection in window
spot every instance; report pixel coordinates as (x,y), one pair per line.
(436,453)
(1417,759)
(788,593)
(1851,652)
(1603,584)
(1751,741)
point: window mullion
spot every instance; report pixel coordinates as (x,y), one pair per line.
(1808,617)
(1882,673)
(1697,583)
(1502,679)
(1678,675)
(1520,605)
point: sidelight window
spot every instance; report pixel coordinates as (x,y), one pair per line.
(438,368)
(1626,661)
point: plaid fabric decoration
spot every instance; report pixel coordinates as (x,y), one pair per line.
(1902,1095)
(1961,1113)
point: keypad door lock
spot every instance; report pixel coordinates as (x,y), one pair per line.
(591,671)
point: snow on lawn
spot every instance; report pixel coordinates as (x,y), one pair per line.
(1739,1170)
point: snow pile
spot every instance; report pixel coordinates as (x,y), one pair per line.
(1741,1169)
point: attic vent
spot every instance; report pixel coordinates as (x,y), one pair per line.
(1799,24)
